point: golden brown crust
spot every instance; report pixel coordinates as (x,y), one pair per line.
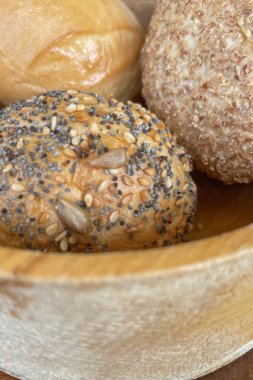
(81,173)
(197,76)
(48,45)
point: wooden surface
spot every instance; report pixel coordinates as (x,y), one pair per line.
(240,369)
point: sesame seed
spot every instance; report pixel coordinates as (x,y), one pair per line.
(54,123)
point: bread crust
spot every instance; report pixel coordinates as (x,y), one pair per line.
(197,76)
(82,174)
(61,44)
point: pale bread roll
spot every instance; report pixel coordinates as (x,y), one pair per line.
(61,44)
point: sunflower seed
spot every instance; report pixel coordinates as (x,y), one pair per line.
(72,216)
(111,160)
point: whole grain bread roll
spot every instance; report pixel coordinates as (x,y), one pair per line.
(197,77)
(61,44)
(80,173)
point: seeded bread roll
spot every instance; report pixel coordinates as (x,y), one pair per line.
(83,174)
(84,45)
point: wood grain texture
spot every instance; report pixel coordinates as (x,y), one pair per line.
(240,369)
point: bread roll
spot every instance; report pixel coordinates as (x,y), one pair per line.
(197,77)
(61,44)
(83,174)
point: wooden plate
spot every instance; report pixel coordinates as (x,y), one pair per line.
(168,313)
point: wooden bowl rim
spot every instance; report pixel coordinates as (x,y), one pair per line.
(87,267)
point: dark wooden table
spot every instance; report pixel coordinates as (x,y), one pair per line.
(240,369)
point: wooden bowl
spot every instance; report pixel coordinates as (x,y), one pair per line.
(168,313)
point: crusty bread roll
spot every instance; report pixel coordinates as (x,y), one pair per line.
(83,174)
(61,44)
(197,77)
